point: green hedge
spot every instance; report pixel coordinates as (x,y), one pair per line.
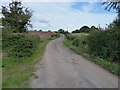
(105,44)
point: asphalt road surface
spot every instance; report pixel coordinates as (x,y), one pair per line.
(61,67)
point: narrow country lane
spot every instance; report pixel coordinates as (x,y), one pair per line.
(61,67)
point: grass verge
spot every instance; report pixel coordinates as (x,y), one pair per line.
(111,67)
(17,74)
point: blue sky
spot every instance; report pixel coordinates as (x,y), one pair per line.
(97,7)
(71,15)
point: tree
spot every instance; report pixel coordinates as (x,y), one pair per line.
(116,6)
(49,30)
(16,17)
(40,30)
(85,29)
(113,5)
(66,32)
(61,31)
(76,31)
(93,27)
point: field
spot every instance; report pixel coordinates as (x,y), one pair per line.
(41,34)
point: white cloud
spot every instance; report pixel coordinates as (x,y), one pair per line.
(61,15)
(54,0)
(89,7)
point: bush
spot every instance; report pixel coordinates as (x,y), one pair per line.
(106,44)
(85,29)
(55,35)
(80,41)
(19,45)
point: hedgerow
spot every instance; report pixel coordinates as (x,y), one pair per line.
(106,44)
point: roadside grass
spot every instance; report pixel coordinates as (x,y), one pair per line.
(111,67)
(79,34)
(17,74)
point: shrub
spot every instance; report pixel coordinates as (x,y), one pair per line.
(106,44)
(80,41)
(70,37)
(19,45)
(55,35)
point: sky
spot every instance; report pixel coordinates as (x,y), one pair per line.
(68,15)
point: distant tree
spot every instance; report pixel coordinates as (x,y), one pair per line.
(16,17)
(66,32)
(76,31)
(61,31)
(56,31)
(40,30)
(49,30)
(85,29)
(93,27)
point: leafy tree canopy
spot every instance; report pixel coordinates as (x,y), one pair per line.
(93,27)
(76,31)
(116,6)
(16,17)
(62,31)
(85,29)
(113,5)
